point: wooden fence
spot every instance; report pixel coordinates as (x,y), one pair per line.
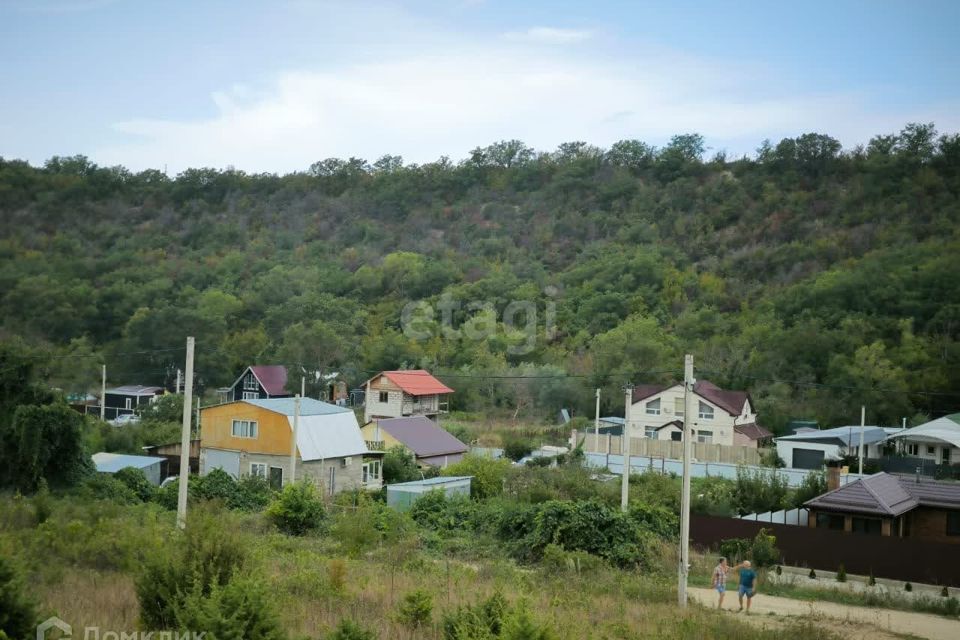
(907,559)
(668,449)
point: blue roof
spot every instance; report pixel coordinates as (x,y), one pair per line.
(431,481)
(849,436)
(113,462)
(308,406)
(613,420)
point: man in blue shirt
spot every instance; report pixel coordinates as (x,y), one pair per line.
(748,584)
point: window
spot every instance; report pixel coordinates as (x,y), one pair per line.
(706,411)
(244,429)
(931,450)
(913,449)
(251,395)
(705,436)
(250,383)
(370,472)
(830,521)
(258,470)
(676,436)
(678,407)
(651,432)
(128,403)
(953,523)
(653,407)
(869,526)
(384,396)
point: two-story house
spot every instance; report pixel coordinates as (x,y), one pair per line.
(397,394)
(255,437)
(430,444)
(723,417)
(259,382)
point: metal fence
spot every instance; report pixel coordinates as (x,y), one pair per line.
(793,517)
(907,559)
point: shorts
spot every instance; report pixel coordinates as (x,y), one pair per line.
(744,590)
(721,588)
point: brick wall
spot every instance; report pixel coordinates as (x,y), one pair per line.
(930,524)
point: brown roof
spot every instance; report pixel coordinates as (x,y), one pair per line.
(887,495)
(273,378)
(730,401)
(933,493)
(642,391)
(753,431)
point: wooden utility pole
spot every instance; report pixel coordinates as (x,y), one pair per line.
(689,407)
(293,446)
(625,448)
(103,393)
(185,439)
(596,425)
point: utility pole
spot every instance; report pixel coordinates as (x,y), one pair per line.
(596,425)
(625,448)
(303,387)
(178,380)
(103,393)
(688,411)
(293,446)
(863,422)
(185,439)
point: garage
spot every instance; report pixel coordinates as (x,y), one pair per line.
(807,458)
(229,461)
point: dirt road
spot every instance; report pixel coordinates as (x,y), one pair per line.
(922,625)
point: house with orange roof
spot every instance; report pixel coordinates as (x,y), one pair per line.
(398,394)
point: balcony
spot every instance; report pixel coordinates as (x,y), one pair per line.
(426,407)
(375,445)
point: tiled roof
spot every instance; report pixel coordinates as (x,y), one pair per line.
(417,382)
(888,495)
(643,391)
(273,378)
(753,431)
(423,436)
(730,401)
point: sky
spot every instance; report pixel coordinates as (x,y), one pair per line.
(276,86)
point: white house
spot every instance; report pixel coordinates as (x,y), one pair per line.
(397,394)
(937,440)
(811,448)
(723,417)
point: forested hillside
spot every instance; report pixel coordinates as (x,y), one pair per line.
(819,279)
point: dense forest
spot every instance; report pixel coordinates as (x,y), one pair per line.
(817,278)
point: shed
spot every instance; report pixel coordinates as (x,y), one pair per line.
(113,462)
(402,495)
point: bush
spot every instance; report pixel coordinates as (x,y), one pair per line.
(241,608)
(907,587)
(813,485)
(871,581)
(399,465)
(945,592)
(350,630)
(476,622)
(137,482)
(779,570)
(735,549)
(515,449)
(18,617)
(812,574)
(521,626)
(368,525)
(209,553)
(759,491)
(103,486)
(416,609)
(841,574)
(297,510)
(488,475)
(250,493)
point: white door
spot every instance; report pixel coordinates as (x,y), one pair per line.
(229,461)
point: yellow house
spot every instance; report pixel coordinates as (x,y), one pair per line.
(255,437)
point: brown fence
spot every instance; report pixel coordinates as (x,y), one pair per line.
(907,559)
(646,447)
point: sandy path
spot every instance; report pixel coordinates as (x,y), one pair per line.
(923,625)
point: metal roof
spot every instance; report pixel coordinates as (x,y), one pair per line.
(135,390)
(946,429)
(889,495)
(848,436)
(422,435)
(308,406)
(113,462)
(329,435)
(933,493)
(440,480)
(753,431)
(417,382)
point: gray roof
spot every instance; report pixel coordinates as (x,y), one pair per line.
(847,436)
(888,495)
(113,462)
(423,436)
(308,406)
(135,390)
(441,480)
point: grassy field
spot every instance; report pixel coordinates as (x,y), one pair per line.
(81,562)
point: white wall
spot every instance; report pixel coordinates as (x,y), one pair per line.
(721,425)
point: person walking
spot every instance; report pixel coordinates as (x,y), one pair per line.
(720,580)
(748,584)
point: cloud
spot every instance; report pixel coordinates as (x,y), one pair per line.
(427,102)
(549,35)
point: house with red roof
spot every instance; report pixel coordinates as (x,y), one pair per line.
(723,417)
(398,394)
(259,382)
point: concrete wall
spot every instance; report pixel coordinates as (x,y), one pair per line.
(373,408)
(345,477)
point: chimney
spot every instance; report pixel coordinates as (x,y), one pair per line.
(833,478)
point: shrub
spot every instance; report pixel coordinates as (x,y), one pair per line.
(137,482)
(813,574)
(907,587)
(18,617)
(779,570)
(521,626)
(399,465)
(368,525)
(241,608)
(416,609)
(350,630)
(515,449)
(337,574)
(207,555)
(42,508)
(297,510)
(763,549)
(735,549)
(657,520)
(813,485)
(759,491)
(103,486)
(488,475)
(476,622)
(945,592)
(841,574)
(871,581)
